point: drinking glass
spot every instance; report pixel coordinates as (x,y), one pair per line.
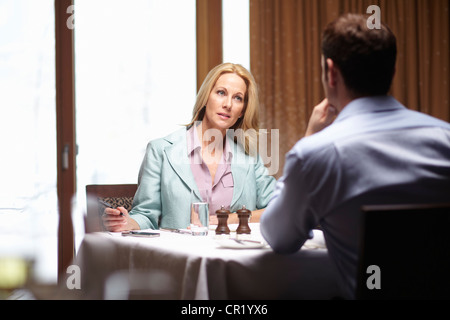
(200,212)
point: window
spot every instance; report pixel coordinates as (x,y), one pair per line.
(135,71)
(236,32)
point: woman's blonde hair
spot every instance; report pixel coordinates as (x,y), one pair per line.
(249,122)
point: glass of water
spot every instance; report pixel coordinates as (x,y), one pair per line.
(200,212)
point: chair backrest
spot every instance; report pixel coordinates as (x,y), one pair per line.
(115,194)
(408,247)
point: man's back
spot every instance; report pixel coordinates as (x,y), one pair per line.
(383,155)
(375,152)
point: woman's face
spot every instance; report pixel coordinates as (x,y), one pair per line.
(225,102)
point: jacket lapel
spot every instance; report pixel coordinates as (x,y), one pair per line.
(239,167)
(176,154)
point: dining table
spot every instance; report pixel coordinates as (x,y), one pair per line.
(173,264)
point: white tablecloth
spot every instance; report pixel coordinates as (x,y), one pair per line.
(199,268)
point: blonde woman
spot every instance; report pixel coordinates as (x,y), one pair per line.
(215,151)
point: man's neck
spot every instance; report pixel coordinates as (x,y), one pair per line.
(344,98)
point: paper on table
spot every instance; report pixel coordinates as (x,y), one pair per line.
(233,243)
(317,242)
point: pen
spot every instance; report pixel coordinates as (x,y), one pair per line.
(108,205)
(182,231)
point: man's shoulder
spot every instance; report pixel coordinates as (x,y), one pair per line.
(365,117)
(317,147)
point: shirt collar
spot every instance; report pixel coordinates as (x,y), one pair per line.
(369,105)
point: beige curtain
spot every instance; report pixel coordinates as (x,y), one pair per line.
(285,37)
(209,37)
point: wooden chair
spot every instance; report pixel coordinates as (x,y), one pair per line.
(410,244)
(115,194)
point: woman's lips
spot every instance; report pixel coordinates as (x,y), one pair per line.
(224,115)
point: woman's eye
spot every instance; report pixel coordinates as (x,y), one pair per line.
(221,93)
(238,98)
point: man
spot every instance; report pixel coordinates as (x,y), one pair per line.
(375,151)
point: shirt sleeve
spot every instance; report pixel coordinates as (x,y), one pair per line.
(287,223)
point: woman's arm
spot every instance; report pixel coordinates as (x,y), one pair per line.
(147,200)
(256,215)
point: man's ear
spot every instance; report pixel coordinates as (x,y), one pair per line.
(332,73)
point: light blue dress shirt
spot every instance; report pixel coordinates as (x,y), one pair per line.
(375,152)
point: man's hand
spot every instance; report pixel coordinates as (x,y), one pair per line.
(322,116)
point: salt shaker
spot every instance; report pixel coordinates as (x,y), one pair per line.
(222,217)
(243,229)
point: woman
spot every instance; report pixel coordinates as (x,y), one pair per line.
(215,151)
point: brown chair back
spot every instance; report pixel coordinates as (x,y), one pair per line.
(118,195)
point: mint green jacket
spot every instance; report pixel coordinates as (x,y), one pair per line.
(165,182)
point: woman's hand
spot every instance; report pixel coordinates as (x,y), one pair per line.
(114,222)
(322,116)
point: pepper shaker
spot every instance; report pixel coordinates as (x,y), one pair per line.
(222,217)
(243,228)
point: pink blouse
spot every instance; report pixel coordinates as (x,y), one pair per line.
(221,189)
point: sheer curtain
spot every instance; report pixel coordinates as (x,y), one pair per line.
(135,78)
(135,81)
(28,191)
(285,39)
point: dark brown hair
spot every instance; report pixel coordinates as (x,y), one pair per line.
(366,57)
